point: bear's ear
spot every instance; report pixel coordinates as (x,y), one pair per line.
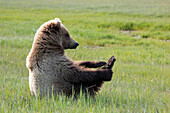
(58,23)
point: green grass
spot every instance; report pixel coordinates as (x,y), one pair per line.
(137,33)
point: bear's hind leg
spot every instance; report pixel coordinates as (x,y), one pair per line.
(88,88)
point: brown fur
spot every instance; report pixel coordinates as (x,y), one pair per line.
(50,71)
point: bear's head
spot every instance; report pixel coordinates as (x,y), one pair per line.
(67,41)
(54,33)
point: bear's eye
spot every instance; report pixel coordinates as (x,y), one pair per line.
(67,35)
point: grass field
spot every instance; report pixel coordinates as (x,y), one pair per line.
(136,32)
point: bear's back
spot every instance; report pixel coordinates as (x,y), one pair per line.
(46,76)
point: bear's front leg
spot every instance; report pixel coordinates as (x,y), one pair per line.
(91,64)
(95,86)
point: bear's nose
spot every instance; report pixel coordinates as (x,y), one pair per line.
(77,44)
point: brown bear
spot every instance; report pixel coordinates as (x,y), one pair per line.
(51,72)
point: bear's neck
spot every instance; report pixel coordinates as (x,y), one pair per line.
(38,53)
(48,47)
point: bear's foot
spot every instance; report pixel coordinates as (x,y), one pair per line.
(110,63)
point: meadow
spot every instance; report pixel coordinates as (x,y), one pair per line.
(136,32)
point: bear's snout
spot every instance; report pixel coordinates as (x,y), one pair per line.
(75,45)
